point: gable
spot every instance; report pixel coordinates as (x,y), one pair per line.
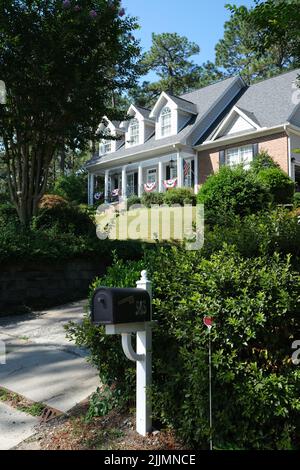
(238,124)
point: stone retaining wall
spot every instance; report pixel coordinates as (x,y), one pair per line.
(28,286)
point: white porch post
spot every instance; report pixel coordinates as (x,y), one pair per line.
(124,182)
(106,178)
(91,179)
(160,176)
(140,181)
(179,170)
(196,174)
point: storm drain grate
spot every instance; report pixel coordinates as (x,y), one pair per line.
(48,414)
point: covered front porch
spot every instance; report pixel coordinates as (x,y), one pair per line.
(156,174)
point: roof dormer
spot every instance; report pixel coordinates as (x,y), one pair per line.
(171,114)
(113,129)
(139,127)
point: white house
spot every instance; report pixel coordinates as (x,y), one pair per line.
(184,139)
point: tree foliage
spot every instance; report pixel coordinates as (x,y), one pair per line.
(60,60)
(240,51)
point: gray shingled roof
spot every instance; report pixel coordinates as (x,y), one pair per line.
(204,99)
(144,111)
(182,103)
(269,102)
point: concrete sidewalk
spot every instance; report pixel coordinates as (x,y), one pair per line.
(41,364)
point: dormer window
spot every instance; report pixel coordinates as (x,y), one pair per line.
(105,146)
(134,132)
(166,123)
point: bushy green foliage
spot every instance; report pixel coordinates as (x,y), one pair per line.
(57,234)
(255,305)
(296,200)
(262,161)
(66,219)
(179,196)
(278,184)
(133,200)
(149,199)
(72,187)
(257,234)
(232,191)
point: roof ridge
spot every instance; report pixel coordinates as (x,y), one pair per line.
(211,84)
(178,97)
(274,76)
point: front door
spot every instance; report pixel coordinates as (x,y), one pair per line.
(130,184)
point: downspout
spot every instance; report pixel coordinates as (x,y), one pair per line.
(289,151)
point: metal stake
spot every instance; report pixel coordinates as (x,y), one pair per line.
(210,391)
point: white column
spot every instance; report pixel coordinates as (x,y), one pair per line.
(106,179)
(179,170)
(160,177)
(88,189)
(196,174)
(140,181)
(91,179)
(124,182)
(144,370)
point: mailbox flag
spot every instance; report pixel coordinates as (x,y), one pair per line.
(208,321)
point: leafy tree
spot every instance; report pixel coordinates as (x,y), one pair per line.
(60,60)
(278,23)
(239,50)
(169,57)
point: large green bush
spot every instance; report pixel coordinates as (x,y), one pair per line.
(66,219)
(255,304)
(278,184)
(232,191)
(263,161)
(58,234)
(257,234)
(179,196)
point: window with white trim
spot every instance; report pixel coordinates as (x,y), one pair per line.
(151,175)
(239,156)
(134,132)
(105,145)
(165,121)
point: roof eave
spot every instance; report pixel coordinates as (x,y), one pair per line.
(208,144)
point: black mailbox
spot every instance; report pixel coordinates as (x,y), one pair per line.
(115,305)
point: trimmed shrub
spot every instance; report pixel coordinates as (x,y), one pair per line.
(132,200)
(232,191)
(72,187)
(279,185)
(255,305)
(180,196)
(149,199)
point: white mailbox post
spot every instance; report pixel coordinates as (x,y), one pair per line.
(143,358)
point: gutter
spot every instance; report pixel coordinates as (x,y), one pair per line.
(237,138)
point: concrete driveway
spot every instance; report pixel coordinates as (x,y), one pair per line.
(42,365)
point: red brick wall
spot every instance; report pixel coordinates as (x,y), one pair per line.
(276,145)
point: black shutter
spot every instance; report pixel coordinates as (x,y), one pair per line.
(222,158)
(255,150)
(168,172)
(193,173)
(136,182)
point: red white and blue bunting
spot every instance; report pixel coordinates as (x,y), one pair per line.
(149,187)
(169,184)
(98,196)
(115,192)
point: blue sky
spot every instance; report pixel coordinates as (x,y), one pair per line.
(201,21)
